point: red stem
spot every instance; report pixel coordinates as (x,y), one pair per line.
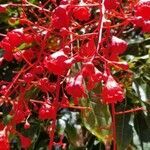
(56,102)
(101,21)
(100,26)
(130,111)
(40,8)
(114,126)
(79,107)
(14,81)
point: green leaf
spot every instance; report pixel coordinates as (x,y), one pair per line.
(142,89)
(124,131)
(75,136)
(73,129)
(61,125)
(98,119)
(33,92)
(7,119)
(142,127)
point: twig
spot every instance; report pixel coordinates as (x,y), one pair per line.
(130,111)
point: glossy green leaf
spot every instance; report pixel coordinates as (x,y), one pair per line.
(124,131)
(142,127)
(98,119)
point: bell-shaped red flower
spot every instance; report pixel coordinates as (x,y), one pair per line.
(141,15)
(88,50)
(92,74)
(55,63)
(112,92)
(142,9)
(118,46)
(60,18)
(88,69)
(58,63)
(47,111)
(75,87)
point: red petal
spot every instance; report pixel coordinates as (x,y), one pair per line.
(112,92)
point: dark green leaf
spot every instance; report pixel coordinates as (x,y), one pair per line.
(124,131)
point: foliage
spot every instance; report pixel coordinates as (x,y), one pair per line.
(74,74)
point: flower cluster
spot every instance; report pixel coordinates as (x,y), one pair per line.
(72,48)
(142,18)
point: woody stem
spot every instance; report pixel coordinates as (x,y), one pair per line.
(114,126)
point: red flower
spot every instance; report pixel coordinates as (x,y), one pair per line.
(47,111)
(138,21)
(55,63)
(118,46)
(88,69)
(60,18)
(141,16)
(75,87)
(112,92)
(11,41)
(28,54)
(8,56)
(28,38)
(25,141)
(4,144)
(3,8)
(142,9)
(46,86)
(97,76)
(19,116)
(38,69)
(64,32)
(93,75)
(15,38)
(146,26)
(111,4)
(88,50)
(81,13)
(6,45)
(28,77)
(27,125)
(20,112)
